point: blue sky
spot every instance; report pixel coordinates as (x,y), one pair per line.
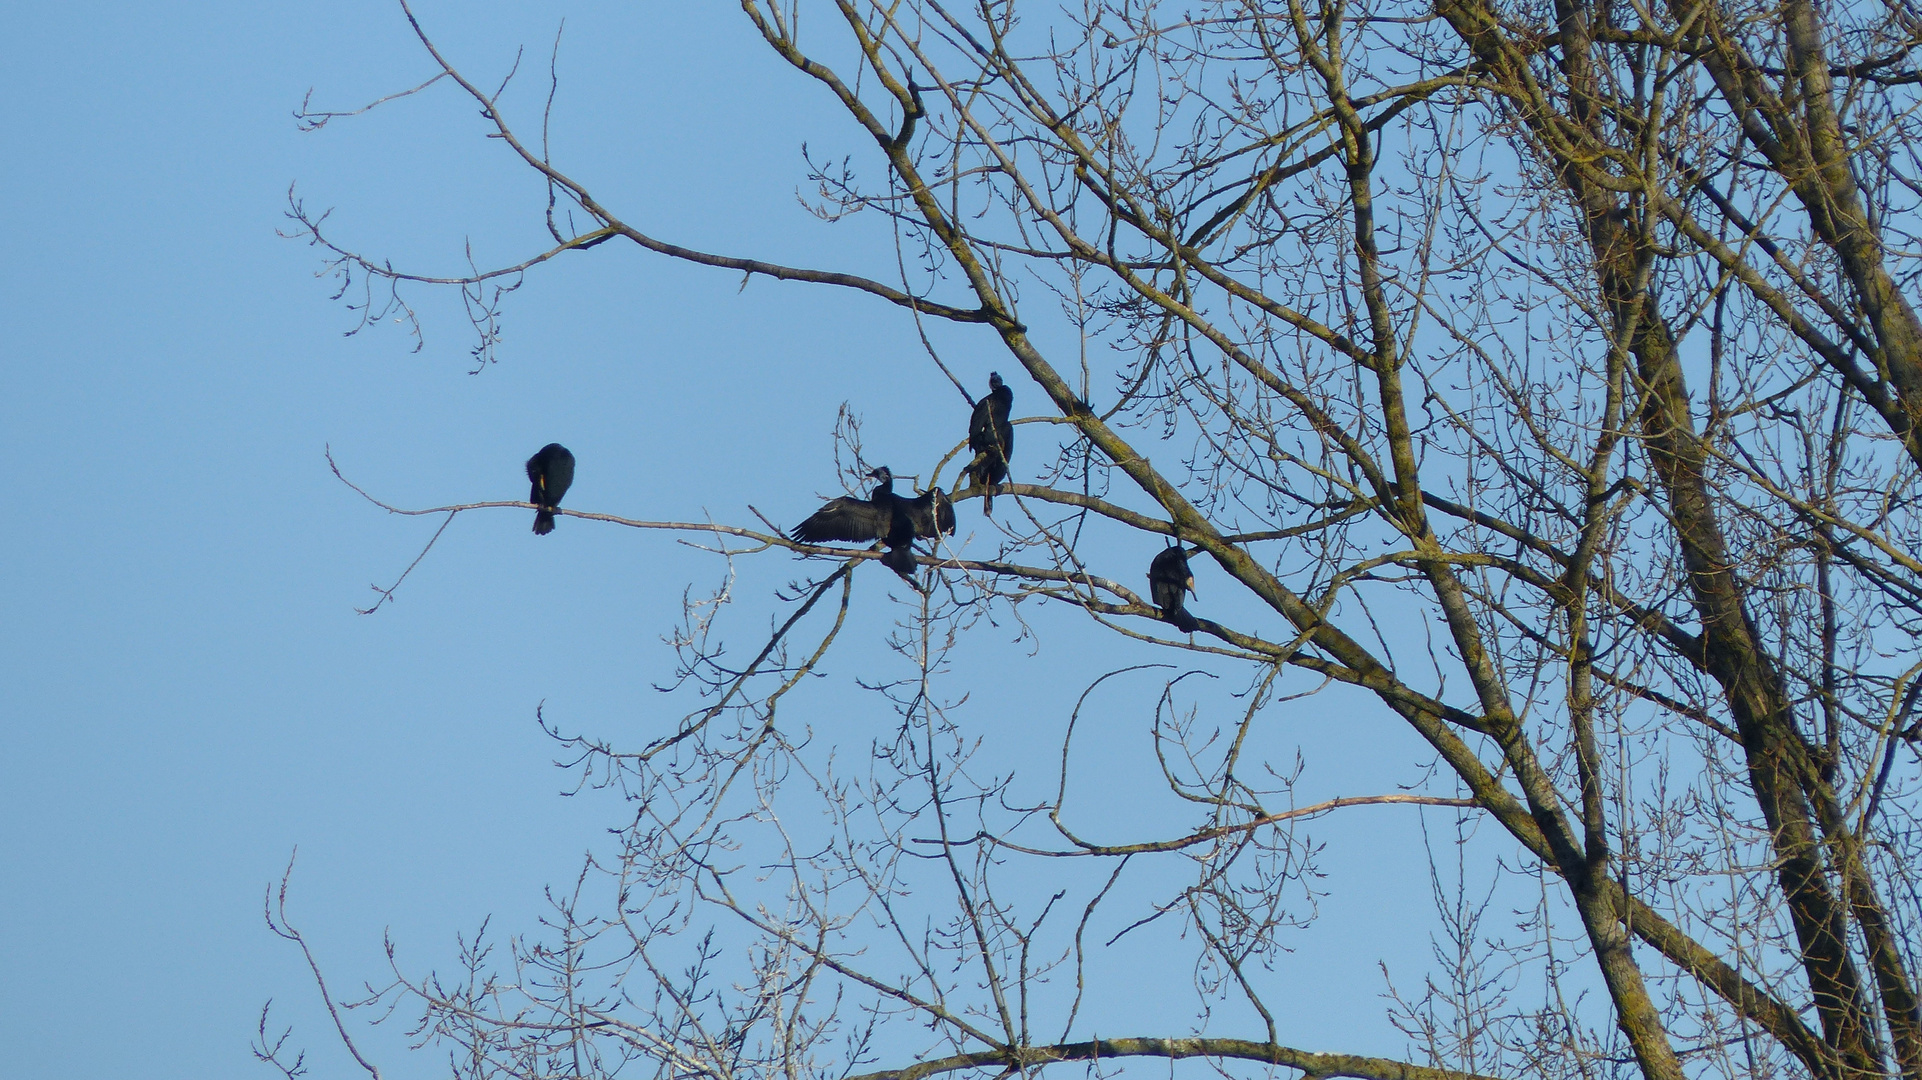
(190,695)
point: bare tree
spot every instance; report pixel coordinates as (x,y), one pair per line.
(1415,295)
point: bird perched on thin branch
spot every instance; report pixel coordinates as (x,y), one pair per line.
(991,437)
(551,470)
(883,516)
(1169,580)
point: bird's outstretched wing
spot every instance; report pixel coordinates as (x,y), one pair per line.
(932,514)
(856,520)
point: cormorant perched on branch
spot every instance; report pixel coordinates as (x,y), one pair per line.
(882,516)
(552,471)
(1169,579)
(991,437)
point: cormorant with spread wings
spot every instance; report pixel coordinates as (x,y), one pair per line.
(883,516)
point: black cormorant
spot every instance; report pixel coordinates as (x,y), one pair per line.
(1169,580)
(551,469)
(991,437)
(882,516)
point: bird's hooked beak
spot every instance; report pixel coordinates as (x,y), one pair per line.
(1191,585)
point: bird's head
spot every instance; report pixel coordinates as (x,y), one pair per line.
(882,475)
(994,380)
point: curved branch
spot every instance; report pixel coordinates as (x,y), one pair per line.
(612,225)
(1310,1064)
(1151,847)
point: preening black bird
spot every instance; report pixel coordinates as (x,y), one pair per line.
(1169,582)
(882,516)
(552,470)
(991,437)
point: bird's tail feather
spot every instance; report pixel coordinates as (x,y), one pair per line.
(543,522)
(900,560)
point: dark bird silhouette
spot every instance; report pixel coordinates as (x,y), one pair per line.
(991,437)
(1169,580)
(552,471)
(882,516)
